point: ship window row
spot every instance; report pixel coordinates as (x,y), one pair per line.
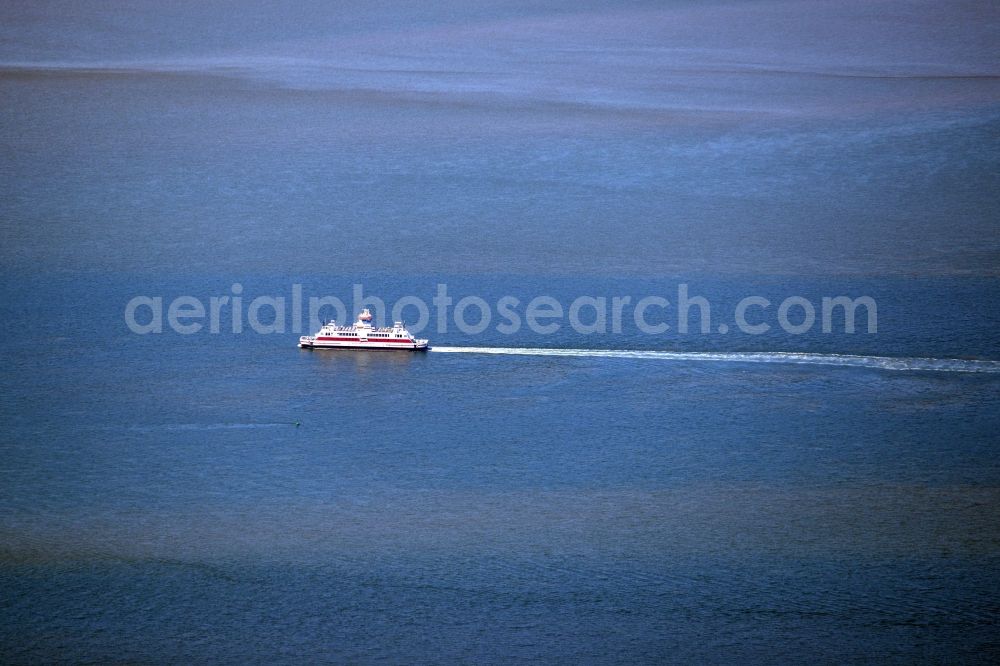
(352,334)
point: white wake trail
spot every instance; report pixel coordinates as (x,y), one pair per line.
(844,360)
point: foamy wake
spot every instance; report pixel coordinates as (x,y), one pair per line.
(846,360)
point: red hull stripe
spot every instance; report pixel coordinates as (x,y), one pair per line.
(369,340)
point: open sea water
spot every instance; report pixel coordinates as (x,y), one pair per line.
(618,497)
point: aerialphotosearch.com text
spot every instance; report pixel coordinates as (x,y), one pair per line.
(236,312)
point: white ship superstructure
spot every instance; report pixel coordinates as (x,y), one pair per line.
(362,335)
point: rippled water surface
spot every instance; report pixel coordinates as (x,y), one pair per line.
(617,497)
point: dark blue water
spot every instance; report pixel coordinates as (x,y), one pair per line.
(228,497)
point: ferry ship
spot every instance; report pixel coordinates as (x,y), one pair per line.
(361,335)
